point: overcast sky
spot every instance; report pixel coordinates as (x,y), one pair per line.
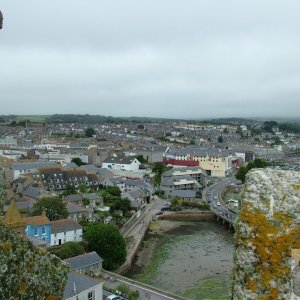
(158,58)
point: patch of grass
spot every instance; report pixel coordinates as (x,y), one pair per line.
(161,253)
(210,288)
(32,118)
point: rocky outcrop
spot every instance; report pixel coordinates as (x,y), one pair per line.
(267,228)
(28,272)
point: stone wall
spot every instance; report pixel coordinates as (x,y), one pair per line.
(267,228)
(192,216)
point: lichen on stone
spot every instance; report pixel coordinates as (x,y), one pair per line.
(267,228)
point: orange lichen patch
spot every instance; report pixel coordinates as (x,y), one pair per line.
(42,251)
(6,246)
(22,287)
(252,285)
(284,219)
(273,240)
(52,298)
(296,186)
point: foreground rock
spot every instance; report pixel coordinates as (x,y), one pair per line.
(267,230)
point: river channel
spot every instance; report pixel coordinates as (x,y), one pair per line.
(191,259)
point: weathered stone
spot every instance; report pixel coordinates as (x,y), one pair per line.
(267,229)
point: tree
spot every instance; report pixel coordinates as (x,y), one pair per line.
(86,201)
(107,241)
(220,139)
(158,168)
(241,173)
(67,250)
(54,206)
(225,130)
(89,132)
(243,170)
(112,190)
(78,161)
(141,159)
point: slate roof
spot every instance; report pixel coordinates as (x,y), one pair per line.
(183,170)
(92,196)
(81,282)
(64,225)
(31,192)
(183,193)
(170,181)
(203,152)
(74,198)
(32,165)
(125,160)
(83,260)
(37,220)
(74,208)
(70,165)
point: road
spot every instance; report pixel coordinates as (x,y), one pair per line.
(212,195)
(146,293)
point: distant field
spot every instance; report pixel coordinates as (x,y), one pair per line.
(32,118)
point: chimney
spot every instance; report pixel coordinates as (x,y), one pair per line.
(74,288)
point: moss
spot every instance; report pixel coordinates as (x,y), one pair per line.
(209,289)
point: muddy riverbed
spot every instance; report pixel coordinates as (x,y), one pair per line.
(189,259)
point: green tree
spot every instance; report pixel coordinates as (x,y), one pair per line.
(158,168)
(54,206)
(225,130)
(86,201)
(107,241)
(241,173)
(112,190)
(89,132)
(141,159)
(268,125)
(220,139)
(67,250)
(78,161)
(243,170)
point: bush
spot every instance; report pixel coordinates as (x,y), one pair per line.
(67,250)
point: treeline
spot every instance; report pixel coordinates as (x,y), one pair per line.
(99,119)
(290,127)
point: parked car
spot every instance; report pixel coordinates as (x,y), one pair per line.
(218,203)
(165,208)
(114,297)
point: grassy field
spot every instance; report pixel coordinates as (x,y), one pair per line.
(32,118)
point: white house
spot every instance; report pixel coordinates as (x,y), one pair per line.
(82,287)
(124,163)
(66,230)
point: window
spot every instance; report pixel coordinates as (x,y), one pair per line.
(91,295)
(36,231)
(44,230)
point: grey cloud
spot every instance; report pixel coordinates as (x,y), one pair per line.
(161,58)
